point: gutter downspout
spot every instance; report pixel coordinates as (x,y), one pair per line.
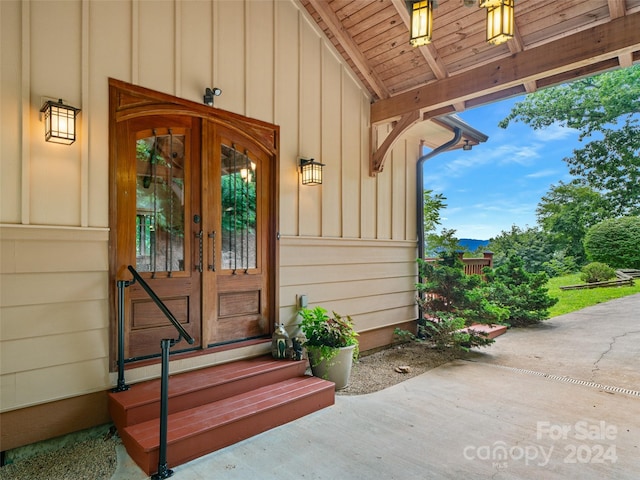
(457,135)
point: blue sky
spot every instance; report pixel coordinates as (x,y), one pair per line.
(500,182)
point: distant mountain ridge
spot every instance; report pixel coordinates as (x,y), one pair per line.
(472,244)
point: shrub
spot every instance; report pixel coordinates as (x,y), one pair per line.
(524,294)
(560,265)
(451,301)
(615,242)
(597,272)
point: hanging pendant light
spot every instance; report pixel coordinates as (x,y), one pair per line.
(421,13)
(500,23)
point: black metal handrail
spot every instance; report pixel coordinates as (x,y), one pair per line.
(181,331)
(165,345)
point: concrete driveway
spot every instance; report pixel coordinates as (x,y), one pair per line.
(556,401)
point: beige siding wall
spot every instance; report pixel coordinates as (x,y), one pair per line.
(349,245)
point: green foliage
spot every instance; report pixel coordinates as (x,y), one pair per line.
(566,212)
(524,294)
(448,331)
(615,242)
(560,264)
(451,301)
(445,242)
(611,165)
(238,203)
(530,244)
(327,333)
(433,203)
(606,104)
(596,272)
(585,104)
(572,300)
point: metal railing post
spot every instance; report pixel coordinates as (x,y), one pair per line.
(122,386)
(163,469)
(165,345)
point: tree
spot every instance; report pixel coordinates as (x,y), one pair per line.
(610,163)
(530,244)
(566,212)
(446,241)
(433,203)
(524,294)
(450,300)
(615,242)
(612,166)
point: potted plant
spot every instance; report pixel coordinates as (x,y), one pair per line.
(331,344)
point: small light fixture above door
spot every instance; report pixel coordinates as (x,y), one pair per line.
(421,13)
(209,93)
(59,122)
(311,171)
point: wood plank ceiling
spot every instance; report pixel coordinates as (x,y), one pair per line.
(555,41)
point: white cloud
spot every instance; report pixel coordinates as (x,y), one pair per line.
(543,173)
(553,132)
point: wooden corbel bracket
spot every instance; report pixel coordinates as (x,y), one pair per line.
(378,156)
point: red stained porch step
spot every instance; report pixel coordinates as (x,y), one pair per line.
(197,431)
(491,330)
(198,387)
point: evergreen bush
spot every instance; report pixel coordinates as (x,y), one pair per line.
(615,242)
(524,294)
(597,272)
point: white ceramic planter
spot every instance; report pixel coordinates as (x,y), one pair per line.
(336,369)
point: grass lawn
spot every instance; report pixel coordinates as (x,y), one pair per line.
(572,300)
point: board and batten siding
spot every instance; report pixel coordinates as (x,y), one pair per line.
(349,244)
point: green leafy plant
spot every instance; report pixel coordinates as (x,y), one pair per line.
(326,333)
(596,272)
(451,301)
(524,294)
(615,242)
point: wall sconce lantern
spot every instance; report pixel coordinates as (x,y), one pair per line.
(500,23)
(311,171)
(421,13)
(59,122)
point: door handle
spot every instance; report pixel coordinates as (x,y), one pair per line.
(212,265)
(199,266)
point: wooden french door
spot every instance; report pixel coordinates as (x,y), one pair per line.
(237,210)
(193,210)
(159,227)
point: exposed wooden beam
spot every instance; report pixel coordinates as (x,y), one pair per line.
(328,16)
(620,36)
(617,8)
(516,44)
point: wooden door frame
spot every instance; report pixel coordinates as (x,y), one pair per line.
(128,101)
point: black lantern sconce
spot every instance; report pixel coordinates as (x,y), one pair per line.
(311,171)
(59,122)
(209,93)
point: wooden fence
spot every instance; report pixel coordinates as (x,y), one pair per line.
(472,266)
(623,278)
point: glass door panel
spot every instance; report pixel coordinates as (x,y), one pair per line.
(160,203)
(239,209)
